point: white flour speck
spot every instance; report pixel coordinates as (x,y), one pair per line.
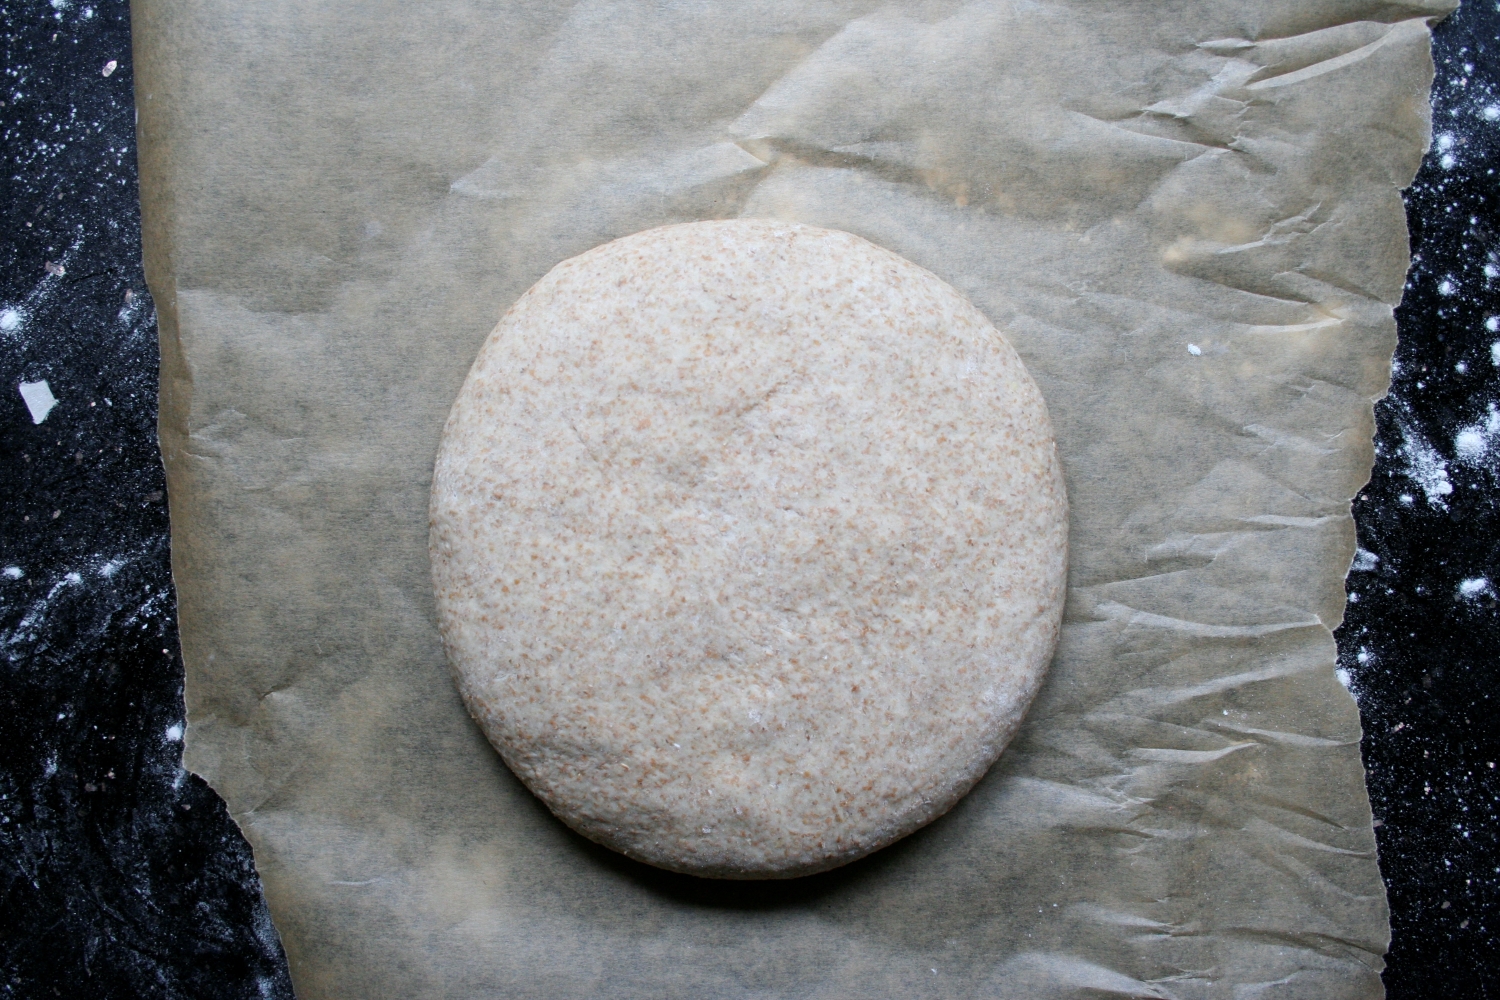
(1444,141)
(174,732)
(1468,444)
(109,67)
(1491,113)
(1473,442)
(1194,350)
(39,399)
(1447,161)
(11,320)
(14,572)
(1473,587)
(1343,676)
(1364,561)
(1447,287)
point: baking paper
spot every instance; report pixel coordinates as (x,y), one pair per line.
(1186,218)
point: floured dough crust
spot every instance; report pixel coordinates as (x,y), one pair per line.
(749,543)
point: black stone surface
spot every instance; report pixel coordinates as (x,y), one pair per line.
(122,876)
(1421,637)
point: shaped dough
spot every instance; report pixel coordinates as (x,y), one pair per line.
(749,544)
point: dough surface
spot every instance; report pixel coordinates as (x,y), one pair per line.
(749,545)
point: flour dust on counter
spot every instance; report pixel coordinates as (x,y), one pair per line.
(1422,628)
(120,874)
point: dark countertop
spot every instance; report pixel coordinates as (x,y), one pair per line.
(122,876)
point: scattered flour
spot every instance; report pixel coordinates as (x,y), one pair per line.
(1426,468)
(1473,443)
(1473,587)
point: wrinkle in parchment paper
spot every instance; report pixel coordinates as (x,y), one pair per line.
(1185,217)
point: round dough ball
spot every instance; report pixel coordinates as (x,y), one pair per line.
(749,543)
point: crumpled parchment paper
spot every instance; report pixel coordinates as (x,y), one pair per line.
(1184,215)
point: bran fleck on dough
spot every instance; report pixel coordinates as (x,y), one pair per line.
(749,545)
